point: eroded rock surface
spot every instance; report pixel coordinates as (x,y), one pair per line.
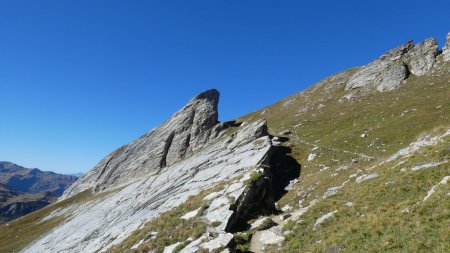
(136,188)
(446,49)
(422,57)
(385,73)
(390,70)
(184,133)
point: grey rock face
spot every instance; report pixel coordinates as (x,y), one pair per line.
(385,73)
(391,78)
(140,187)
(446,49)
(390,70)
(184,133)
(422,56)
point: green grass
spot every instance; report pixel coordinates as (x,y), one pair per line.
(392,121)
(375,222)
(254,176)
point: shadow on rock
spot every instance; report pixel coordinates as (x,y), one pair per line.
(284,169)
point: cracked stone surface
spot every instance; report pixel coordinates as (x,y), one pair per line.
(390,70)
(385,73)
(446,49)
(139,189)
(422,57)
(180,136)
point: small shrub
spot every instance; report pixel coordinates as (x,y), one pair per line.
(216,223)
(254,176)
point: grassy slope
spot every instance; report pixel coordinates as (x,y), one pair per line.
(391,120)
(317,118)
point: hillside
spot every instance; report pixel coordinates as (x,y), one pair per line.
(374,164)
(359,162)
(24,190)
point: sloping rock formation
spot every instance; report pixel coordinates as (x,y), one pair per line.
(422,57)
(385,73)
(197,153)
(390,70)
(180,136)
(446,49)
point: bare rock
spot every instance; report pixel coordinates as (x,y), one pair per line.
(422,57)
(390,70)
(446,49)
(322,219)
(263,224)
(141,189)
(385,73)
(221,241)
(366,177)
(185,132)
(285,132)
(391,78)
(270,238)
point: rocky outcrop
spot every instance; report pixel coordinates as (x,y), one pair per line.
(390,70)
(446,49)
(180,136)
(199,153)
(385,73)
(422,57)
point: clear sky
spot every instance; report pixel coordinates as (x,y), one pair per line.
(81,78)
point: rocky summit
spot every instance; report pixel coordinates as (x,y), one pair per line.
(358,162)
(186,132)
(390,70)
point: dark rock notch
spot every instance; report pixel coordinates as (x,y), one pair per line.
(259,198)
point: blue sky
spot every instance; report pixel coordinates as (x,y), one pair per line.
(81,78)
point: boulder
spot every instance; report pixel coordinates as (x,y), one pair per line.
(285,132)
(263,223)
(219,242)
(270,238)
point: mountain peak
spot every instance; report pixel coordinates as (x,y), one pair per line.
(187,131)
(211,94)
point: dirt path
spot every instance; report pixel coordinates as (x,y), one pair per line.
(361,155)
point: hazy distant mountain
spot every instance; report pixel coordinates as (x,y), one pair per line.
(79,174)
(24,190)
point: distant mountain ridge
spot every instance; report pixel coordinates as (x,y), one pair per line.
(24,190)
